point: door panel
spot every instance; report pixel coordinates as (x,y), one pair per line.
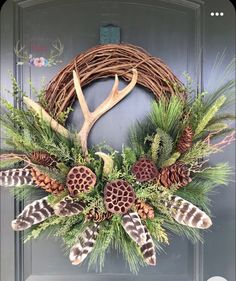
(170,30)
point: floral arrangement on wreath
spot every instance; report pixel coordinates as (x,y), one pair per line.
(97,198)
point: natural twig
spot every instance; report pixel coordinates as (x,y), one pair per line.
(227,140)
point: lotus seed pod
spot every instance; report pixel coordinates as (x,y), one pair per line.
(119,196)
(144,170)
(80,179)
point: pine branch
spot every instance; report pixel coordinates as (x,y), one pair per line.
(218,174)
(166,114)
(210,114)
(199,150)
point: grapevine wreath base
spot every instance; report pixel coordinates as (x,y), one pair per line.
(96,198)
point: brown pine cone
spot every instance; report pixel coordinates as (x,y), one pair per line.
(144,170)
(144,210)
(95,216)
(186,140)
(177,174)
(43,158)
(45,182)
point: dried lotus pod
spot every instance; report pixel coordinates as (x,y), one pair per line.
(144,170)
(80,179)
(119,196)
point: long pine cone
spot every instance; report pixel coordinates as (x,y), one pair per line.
(177,174)
(45,182)
(186,140)
(43,158)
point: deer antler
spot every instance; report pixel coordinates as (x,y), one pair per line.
(90,118)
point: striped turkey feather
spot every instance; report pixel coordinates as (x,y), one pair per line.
(132,224)
(68,206)
(16,177)
(85,245)
(184,212)
(148,249)
(34,213)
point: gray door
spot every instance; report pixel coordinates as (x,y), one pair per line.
(187,38)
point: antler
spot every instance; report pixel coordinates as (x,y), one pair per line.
(90,118)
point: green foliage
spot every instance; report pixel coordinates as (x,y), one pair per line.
(210,113)
(174,157)
(155,146)
(9,163)
(26,192)
(123,244)
(138,136)
(52,173)
(64,115)
(217,175)
(216,127)
(37,230)
(199,150)
(227,90)
(28,132)
(103,243)
(192,234)
(155,227)
(166,114)
(165,148)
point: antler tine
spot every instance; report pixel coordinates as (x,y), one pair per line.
(90,118)
(38,109)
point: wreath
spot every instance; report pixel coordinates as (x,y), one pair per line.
(96,198)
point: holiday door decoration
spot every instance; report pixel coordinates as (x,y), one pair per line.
(96,199)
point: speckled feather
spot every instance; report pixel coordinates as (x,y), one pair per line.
(188,214)
(85,245)
(15,177)
(34,213)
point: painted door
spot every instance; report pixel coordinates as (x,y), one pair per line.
(187,38)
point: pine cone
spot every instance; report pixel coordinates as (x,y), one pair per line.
(176,174)
(95,216)
(119,196)
(144,210)
(43,158)
(45,182)
(186,140)
(144,170)
(80,179)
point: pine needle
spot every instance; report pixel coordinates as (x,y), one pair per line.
(166,114)
(210,114)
